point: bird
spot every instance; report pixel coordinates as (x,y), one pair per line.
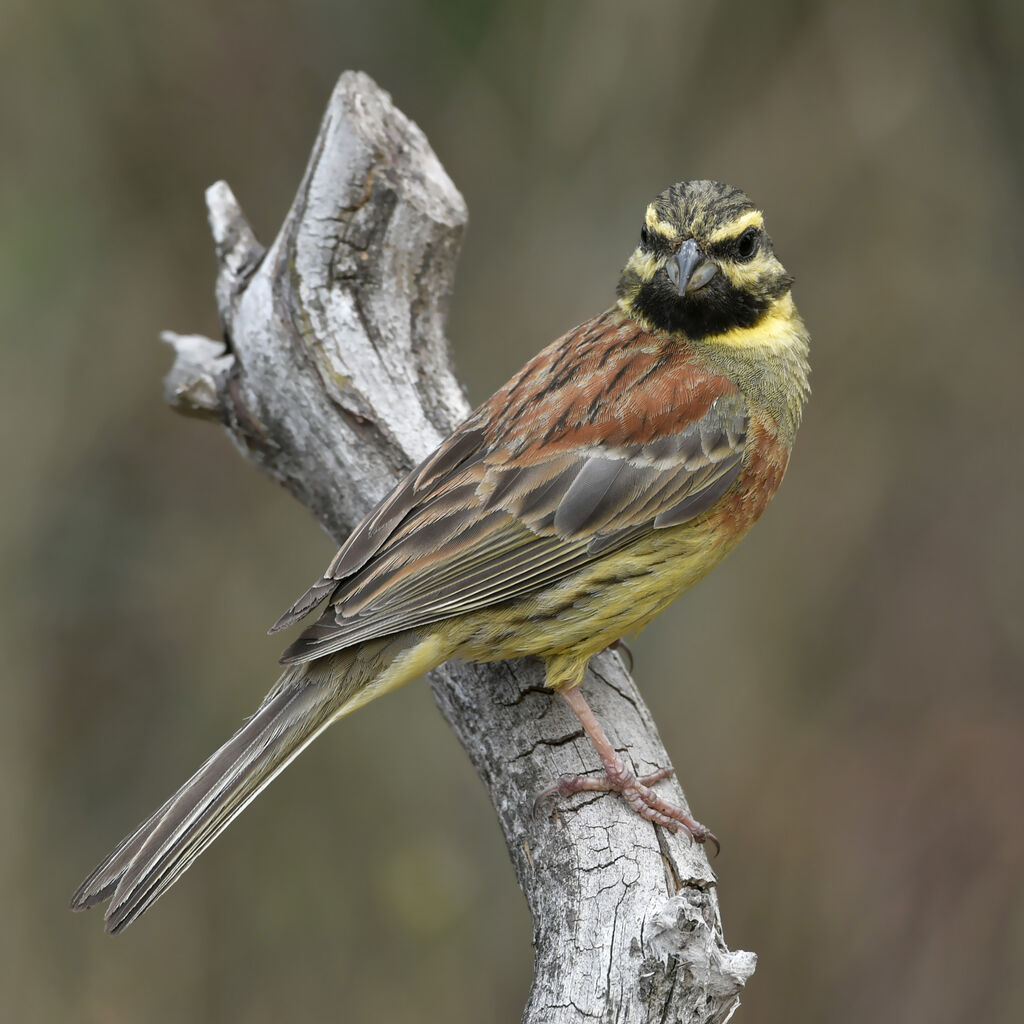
(608,476)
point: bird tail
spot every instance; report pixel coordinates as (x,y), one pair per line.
(303,703)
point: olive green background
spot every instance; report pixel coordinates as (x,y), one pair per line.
(842,698)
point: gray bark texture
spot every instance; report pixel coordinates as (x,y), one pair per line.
(335,378)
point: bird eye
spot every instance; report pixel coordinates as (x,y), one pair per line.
(747,244)
(645,236)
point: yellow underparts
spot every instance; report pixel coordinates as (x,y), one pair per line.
(565,624)
(379,666)
(569,623)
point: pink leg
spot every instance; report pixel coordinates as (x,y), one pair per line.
(619,779)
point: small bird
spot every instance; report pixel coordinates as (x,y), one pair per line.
(609,475)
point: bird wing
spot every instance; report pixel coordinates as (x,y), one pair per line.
(517,499)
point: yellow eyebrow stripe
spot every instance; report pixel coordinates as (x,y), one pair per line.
(661,227)
(750,219)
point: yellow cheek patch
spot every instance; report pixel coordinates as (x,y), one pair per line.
(644,264)
(746,275)
(661,227)
(736,227)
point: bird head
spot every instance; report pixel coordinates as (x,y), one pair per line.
(705,267)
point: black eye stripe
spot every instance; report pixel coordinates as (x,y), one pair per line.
(721,250)
(651,241)
(728,248)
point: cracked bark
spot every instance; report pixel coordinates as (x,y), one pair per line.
(335,379)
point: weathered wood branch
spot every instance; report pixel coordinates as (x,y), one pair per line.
(335,378)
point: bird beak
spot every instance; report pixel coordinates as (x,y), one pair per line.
(690,269)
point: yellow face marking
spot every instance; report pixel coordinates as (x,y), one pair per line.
(644,264)
(746,275)
(774,333)
(660,227)
(736,227)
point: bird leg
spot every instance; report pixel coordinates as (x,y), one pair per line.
(619,779)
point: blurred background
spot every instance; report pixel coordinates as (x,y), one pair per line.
(842,698)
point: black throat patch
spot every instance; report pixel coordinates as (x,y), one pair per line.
(716,308)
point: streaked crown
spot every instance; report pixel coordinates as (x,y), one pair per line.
(705,265)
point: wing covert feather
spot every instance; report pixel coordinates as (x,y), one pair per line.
(504,508)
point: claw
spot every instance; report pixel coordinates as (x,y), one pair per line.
(709,837)
(622,648)
(562,787)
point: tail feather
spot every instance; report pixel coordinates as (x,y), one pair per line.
(305,701)
(101,884)
(216,795)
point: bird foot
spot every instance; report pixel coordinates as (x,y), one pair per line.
(623,650)
(638,794)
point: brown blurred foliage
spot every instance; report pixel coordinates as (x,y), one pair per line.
(843,697)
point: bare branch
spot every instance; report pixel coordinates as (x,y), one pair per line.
(335,379)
